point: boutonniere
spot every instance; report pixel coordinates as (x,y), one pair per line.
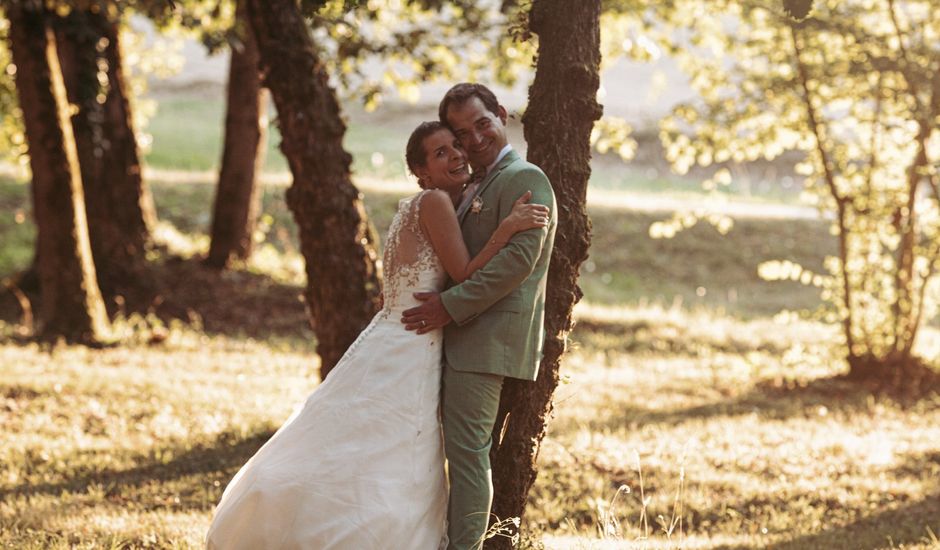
(477,205)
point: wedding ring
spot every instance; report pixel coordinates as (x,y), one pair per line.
(424,323)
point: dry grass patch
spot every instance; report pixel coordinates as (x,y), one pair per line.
(132,446)
(775,450)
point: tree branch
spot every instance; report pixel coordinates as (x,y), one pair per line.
(833,190)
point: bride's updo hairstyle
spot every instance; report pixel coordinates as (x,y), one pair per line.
(415,155)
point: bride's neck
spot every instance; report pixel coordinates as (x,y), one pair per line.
(455,195)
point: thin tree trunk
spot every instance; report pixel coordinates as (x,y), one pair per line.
(338,244)
(71,304)
(842,203)
(924,136)
(558,122)
(238,198)
(119,206)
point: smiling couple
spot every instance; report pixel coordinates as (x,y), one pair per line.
(361,464)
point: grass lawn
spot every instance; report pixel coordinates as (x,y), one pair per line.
(684,404)
(131,447)
(697,268)
(187,135)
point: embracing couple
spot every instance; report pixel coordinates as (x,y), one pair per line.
(361,465)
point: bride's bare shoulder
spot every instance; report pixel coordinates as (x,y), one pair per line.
(431,201)
(433,196)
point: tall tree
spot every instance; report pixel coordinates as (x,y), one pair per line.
(71,304)
(338,244)
(238,196)
(854,89)
(557,124)
(119,206)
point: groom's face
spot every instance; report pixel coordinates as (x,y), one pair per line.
(481,132)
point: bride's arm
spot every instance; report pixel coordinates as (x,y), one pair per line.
(439,222)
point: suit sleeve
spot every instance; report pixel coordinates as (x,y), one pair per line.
(511,265)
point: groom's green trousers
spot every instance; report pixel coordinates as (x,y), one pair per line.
(469,403)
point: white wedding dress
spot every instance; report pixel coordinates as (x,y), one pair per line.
(360,464)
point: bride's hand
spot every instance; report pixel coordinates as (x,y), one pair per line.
(525,216)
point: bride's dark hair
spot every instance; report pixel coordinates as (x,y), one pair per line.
(415,155)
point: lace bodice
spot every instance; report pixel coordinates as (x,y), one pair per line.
(409,261)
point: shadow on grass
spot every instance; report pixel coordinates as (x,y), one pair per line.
(915,522)
(820,396)
(907,524)
(218,459)
(234,303)
(924,465)
(899,519)
(662,336)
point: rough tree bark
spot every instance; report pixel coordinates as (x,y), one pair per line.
(558,123)
(71,304)
(238,197)
(338,244)
(119,206)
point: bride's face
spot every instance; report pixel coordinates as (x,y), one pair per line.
(445,163)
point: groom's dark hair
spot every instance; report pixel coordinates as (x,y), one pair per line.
(461,93)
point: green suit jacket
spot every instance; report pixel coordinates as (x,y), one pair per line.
(499,310)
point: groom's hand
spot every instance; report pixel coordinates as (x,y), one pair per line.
(429,316)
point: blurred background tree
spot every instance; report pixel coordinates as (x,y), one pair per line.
(119,206)
(238,196)
(71,303)
(99,193)
(854,88)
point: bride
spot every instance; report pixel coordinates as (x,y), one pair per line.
(360,464)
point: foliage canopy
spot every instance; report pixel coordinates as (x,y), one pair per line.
(854,88)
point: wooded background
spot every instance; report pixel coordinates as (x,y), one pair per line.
(761,261)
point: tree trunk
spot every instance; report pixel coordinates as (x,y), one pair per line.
(338,244)
(238,198)
(119,206)
(558,122)
(816,125)
(71,304)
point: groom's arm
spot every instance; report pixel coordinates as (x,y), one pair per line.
(511,265)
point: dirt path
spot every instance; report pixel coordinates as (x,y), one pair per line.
(736,208)
(601,198)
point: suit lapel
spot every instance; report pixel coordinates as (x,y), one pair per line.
(510,157)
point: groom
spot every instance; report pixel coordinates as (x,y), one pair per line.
(492,321)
